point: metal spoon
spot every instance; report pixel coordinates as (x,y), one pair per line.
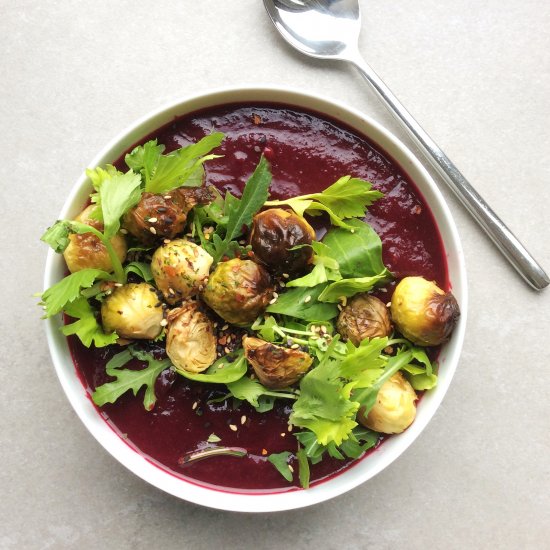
(329,29)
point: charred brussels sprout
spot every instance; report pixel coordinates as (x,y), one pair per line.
(422,312)
(190,340)
(275,366)
(133,311)
(163,216)
(87,251)
(180,269)
(364,317)
(274,233)
(394,410)
(238,291)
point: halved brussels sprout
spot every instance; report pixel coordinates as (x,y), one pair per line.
(87,251)
(180,269)
(364,316)
(133,311)
(190,339)
(422,312)
(274,233)
(238,291)
(275,366)
(163,216)
(395,408)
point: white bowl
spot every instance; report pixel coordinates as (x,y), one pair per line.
(363,469)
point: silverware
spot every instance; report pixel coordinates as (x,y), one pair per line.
(329,29)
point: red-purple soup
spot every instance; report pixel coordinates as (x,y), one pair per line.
(308,152)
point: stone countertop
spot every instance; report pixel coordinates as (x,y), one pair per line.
(476,75)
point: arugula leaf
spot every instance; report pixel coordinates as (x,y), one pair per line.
(141,269)
(303,468)
(302,303)
(280,461)
(68,289)
(359,254)
(240,212)
(131,379)
(349,287)
(346,198)
(87,328)
(360,440)
(252,391)
(225,370)
(163,173)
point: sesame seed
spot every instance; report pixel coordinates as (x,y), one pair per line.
(118,284)
(273,301)
(290,427)
(352,231)
(323,329)
(233,427)
(275,295)
(308,298)
(243,419)
(295,346)
(388,304)
(227,350)
(291,468)
(195,405)
(163,323)
(167,241)
(225,327)
(281,284)
(124,231)
(171,291)
(340,307)
(314,337)
(283,434)
(152,220)
(167,197)
(215,324)
(153,230)
(286,275)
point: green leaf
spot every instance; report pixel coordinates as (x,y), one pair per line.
(280,461)
(326,268)
(303,303)
(360,440)
(303,468)
(141,269)
(117,193)
(363,357)
(57,236)
(250,390)
(213,438)
(163,173)
(68,289)
(349,287)
(359,254)
(241,212)
(225,370)
(420,377)
(132,380)
(88,330)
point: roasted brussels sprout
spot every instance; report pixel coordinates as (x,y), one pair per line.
(180,269)
(87,251)
(238,291)
(422,312)
(274,233)
(163,216)
(394,410)
(190,339)
(275,366)
(364,316)
(133,311)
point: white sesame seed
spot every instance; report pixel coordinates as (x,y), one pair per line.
(286,275)
(225,327)
(388,304)
(152,220)
(124,231)
(233,427)
(291,468)
(153,230)
(163,323)
(243,419)
(295,346)
(273,301)
(195,405)
(171,291)
(308,298)
(281,284)
(275,295)
(118,284)
(167,197)
(340,307)
(323,329)
(290,427)
(227,350)
(283,434)
(167,241)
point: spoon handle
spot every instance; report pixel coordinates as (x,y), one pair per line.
(504,239)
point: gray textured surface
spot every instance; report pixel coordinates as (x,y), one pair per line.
(477,76)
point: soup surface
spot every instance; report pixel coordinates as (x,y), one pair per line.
(308,152)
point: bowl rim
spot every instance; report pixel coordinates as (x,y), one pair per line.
(362,470)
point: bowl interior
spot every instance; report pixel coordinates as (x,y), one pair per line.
(362,470)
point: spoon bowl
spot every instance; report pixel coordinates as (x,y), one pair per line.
(329,29)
